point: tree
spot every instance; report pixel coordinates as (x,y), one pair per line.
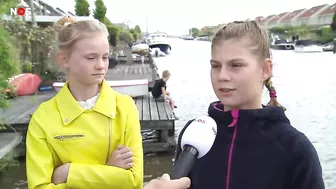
(113,35)
(195,32)
(107,22)
(134,34)
(137,29)
(100,11)
(82,8)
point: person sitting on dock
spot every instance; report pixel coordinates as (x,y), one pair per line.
(160,93)
(255,146)
(87,135)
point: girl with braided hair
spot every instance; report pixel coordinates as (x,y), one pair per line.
(256,146)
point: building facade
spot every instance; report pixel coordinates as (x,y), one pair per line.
(318,16)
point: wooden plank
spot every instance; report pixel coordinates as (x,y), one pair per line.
(126,69)
(168,111)
(146,114)
(162,113)
(154,109)
(156,147)
(8,141)
(138,103)
(20,108)
(157,125)
(129,72)
(170,144)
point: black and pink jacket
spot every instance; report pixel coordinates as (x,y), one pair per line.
(256,149)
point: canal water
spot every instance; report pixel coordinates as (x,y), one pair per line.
(305,84)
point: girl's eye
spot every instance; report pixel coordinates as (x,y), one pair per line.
(237,65)
(214,66)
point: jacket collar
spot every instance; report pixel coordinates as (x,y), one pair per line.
(70,109)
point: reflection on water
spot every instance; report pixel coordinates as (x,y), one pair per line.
(305,84)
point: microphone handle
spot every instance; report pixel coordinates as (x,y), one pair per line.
(185,162)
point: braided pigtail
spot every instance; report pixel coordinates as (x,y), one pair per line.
(273,101)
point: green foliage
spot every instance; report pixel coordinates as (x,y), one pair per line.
(290,31)
(107,22)
(5,5)
(281,30)
(195,32)
(82,8)
(8,64)
(333,23)
(35,45)
(126,37)
(100,11)
(137,29)
(113,35)
(134,34)
(322,35)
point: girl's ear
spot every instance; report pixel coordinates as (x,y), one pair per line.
(267,69)
(62,60)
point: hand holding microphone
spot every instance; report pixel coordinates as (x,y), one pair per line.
(165,183)
(196,141)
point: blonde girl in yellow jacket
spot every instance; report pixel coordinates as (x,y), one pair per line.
(87,135)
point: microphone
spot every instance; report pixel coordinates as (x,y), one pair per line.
(196,141)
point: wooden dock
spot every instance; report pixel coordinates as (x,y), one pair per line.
(156,118)
(157,123)
(132,72)
(8,142)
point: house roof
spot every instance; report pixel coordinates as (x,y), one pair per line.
(267,18)
(259,19)
(311,11)
(292,15)
(329,10)
(277,17)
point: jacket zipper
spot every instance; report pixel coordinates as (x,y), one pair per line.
(109,140)
(65,137)
(230,157)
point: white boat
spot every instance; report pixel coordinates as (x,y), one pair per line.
(329,47)
(308,49)
(134,88)
(280,44)
(307,46)
(140,48)
(159,40)
(157,52)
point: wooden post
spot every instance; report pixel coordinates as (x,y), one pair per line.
(33,21)
(334,43)
(129,57)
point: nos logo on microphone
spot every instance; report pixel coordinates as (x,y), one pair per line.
(199,120)
(203,121)
(214,131)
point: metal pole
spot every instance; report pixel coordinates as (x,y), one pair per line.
(334,49)
(32,13)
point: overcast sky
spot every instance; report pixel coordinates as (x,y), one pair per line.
(177,16)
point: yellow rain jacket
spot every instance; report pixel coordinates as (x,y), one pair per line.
(61,131)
